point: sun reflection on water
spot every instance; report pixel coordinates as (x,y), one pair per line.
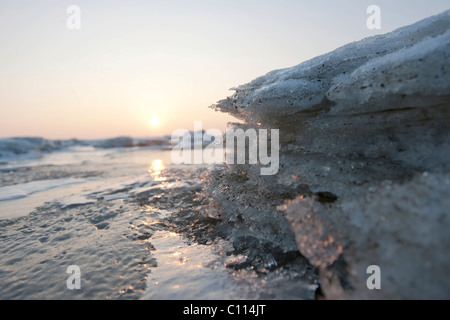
(155,170)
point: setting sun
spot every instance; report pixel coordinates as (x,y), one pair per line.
(154,121)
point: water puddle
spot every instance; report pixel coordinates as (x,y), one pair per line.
(186,271)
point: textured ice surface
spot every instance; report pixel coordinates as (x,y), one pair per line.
(401,226)
(375,68)
(364,163)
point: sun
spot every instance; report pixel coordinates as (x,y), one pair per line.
(154,121)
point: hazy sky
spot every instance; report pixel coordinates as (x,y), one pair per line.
(133,60)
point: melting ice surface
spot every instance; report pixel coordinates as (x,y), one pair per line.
(186,271)
(110,213)
(25,189)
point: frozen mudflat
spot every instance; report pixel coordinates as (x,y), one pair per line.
(127,218)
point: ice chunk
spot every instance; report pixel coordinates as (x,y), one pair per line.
(418,52)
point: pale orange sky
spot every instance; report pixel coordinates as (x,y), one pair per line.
(134,60)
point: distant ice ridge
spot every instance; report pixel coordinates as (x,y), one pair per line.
(24,147)
(13,147)
(364,164)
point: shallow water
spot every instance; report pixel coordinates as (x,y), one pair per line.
(125,217)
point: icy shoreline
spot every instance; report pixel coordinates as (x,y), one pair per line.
(131,221)
(365,133)
(29,147)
